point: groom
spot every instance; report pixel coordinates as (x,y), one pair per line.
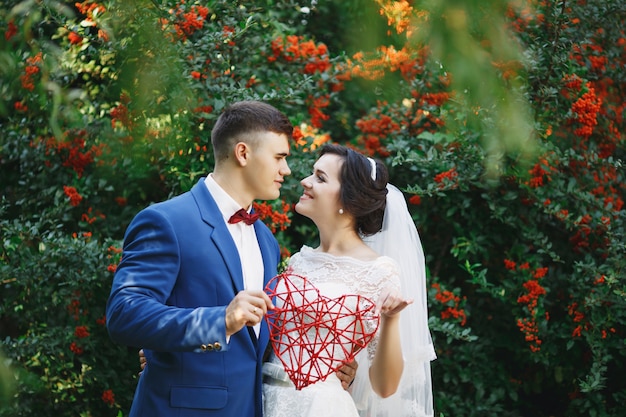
(189,287)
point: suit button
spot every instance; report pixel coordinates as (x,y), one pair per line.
(203,347)
(217,346)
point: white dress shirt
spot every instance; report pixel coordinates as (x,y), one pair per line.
(244,237)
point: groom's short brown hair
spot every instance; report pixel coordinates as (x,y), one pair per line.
(241,120)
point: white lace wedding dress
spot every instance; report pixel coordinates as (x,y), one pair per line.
(333,276)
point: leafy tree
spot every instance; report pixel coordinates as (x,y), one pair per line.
(500,120)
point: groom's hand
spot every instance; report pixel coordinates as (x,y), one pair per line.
(347,373)
(246,309)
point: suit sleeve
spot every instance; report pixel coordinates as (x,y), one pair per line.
(137,310)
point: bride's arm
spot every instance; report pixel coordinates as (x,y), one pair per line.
(386,368)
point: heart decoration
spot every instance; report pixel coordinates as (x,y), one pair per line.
(314,335)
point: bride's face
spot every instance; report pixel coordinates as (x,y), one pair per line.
(320,198)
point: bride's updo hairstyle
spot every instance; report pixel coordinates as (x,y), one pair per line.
(361,195)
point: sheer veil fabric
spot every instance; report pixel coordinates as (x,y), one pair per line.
(400,240)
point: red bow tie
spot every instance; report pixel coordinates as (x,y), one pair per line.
(242,215)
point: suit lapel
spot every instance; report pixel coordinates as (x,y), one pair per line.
(220,235)
(269,271)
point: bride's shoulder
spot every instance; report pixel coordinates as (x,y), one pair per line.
(386,266)
(305,253)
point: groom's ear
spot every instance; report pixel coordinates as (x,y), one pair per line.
(242,153)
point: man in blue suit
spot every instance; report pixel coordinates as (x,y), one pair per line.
(189,287)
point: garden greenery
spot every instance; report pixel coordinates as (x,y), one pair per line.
(501,120)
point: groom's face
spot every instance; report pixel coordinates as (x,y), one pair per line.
(267,165)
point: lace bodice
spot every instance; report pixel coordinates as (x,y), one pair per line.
(333,276)
(339,275)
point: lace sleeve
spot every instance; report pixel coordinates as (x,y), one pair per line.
(383,274)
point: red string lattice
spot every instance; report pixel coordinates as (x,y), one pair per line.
(314,335)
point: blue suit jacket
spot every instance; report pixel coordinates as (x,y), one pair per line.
(179,270)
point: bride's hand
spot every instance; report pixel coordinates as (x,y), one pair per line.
(391,303)
(142,360)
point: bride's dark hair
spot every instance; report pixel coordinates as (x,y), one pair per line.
(360,195)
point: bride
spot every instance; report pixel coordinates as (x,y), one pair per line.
(368,247)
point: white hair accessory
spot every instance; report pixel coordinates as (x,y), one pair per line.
(373,164)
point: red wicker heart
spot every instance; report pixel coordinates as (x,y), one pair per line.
(313,335)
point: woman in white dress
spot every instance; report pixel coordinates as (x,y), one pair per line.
(350,202)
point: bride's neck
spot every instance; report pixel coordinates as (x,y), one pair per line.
(341,243)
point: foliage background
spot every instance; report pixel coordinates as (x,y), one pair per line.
(501,120)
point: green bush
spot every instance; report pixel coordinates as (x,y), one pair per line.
(501,121)
(54,294)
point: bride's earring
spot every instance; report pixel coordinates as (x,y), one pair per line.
(340,211)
